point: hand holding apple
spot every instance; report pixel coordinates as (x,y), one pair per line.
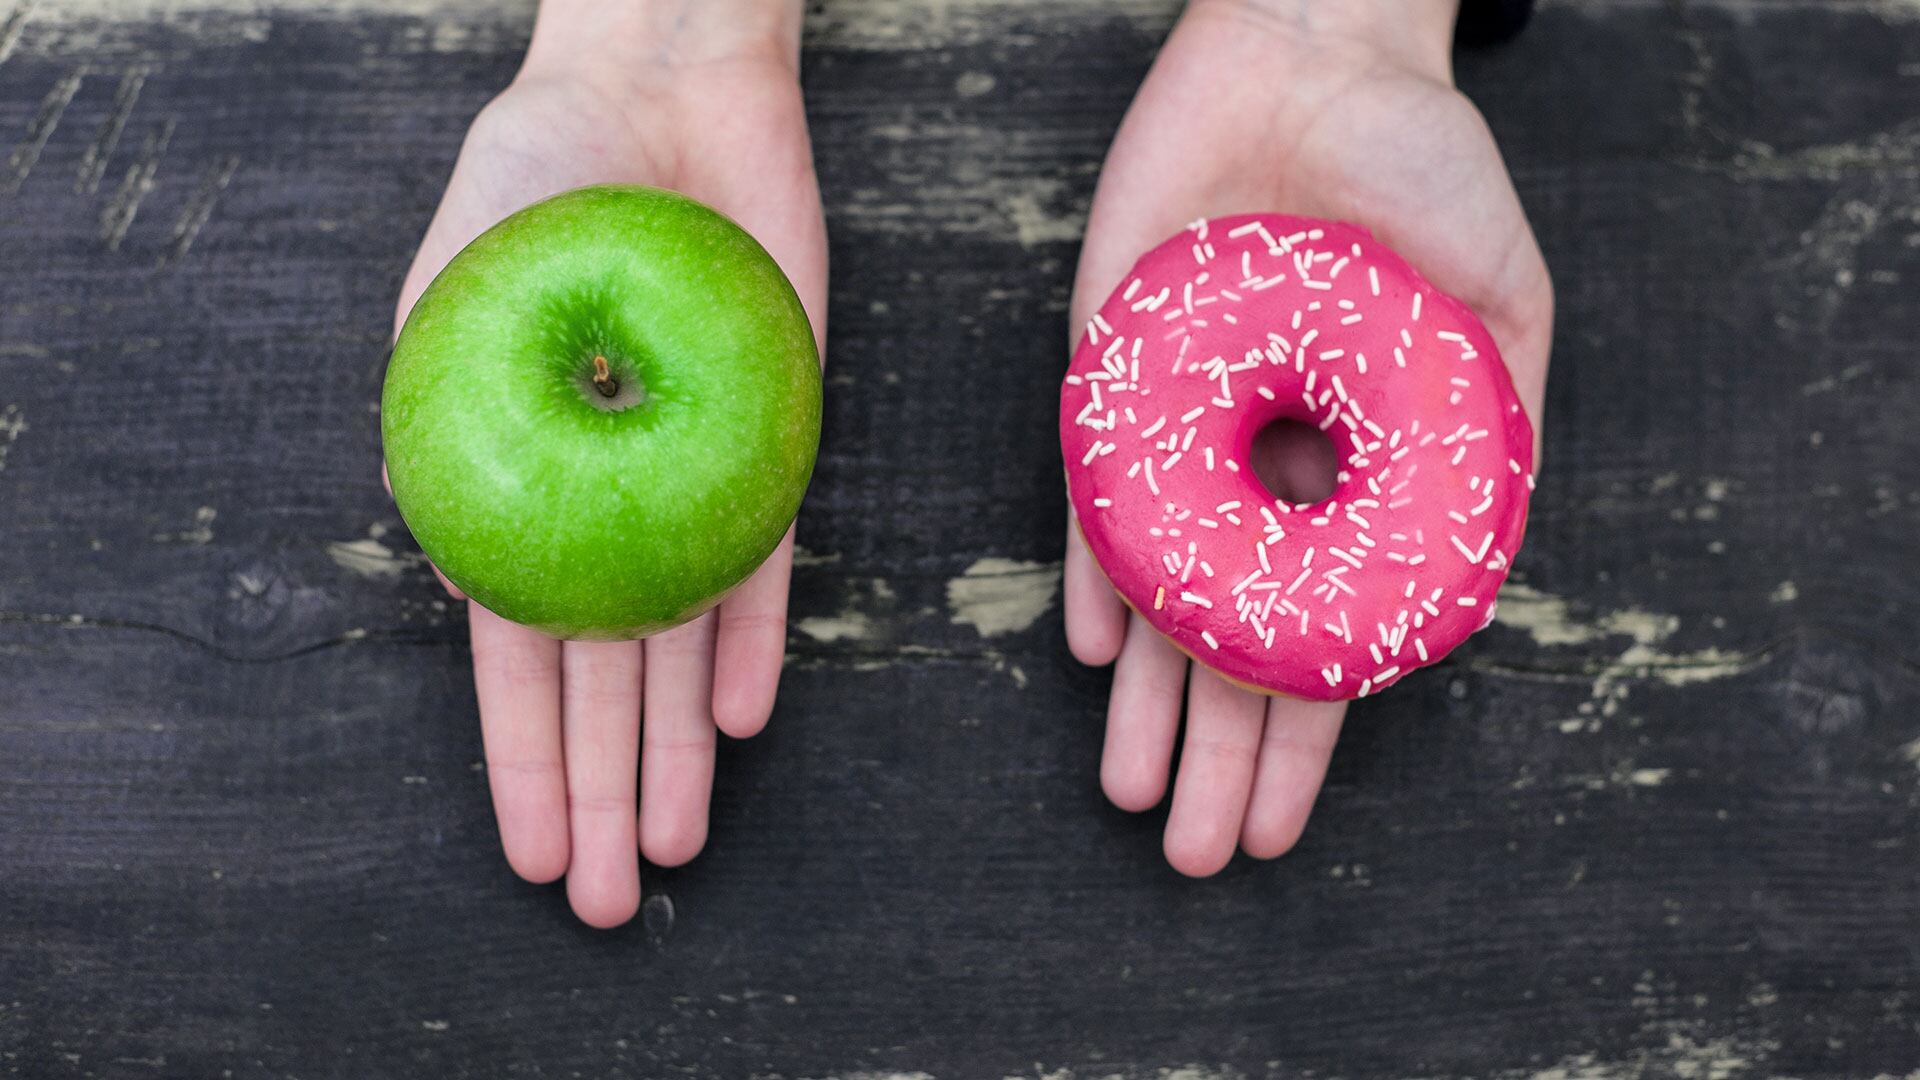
(602,414)
(702,100)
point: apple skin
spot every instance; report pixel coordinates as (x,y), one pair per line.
(525,487)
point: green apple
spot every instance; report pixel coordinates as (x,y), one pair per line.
(602,415)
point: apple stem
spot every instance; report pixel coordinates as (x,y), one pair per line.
(603,380)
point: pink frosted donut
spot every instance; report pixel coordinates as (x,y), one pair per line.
(1240,321)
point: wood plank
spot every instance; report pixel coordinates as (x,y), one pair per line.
(1660,820)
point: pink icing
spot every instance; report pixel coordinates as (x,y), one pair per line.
(1239,321)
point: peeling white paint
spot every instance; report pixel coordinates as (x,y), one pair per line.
(967,200)
(1682,1054)
(200,533)
(370,558)
(1549,620)
(846,626)
(802,556)
(1002,596)
(11,425)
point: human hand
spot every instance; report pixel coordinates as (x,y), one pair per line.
(1341,109)
(705,100)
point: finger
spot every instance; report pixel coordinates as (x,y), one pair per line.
(751,641)
(1294,751)
(516,676)
(1143,715)
(677,737)
(1216,773)
(1096,617)
(600,713)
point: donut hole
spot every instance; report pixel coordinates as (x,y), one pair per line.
(1295,461)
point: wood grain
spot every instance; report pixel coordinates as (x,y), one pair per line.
(1660,820)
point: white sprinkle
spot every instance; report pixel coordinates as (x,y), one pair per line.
(1421,648)
(1470,554)
(1092,452)
(1132,287)
(1193,414)
(1416,307)
(1154,428)
(1373,280)
(1103,503)
(1467,601)
(1351,319)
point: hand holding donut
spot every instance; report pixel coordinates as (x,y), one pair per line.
(1264,110)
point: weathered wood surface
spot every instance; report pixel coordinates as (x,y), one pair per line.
(1662,820)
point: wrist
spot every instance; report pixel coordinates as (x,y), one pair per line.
(1415,35)
(621,44)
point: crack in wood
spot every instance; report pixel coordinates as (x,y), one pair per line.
(200,208)
(350,637)
(118,215)
(26,155)
(93,163)
(11,29)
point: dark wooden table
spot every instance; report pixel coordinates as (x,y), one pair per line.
(1663,819)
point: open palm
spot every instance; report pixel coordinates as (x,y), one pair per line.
(563,721)
(1246,112)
